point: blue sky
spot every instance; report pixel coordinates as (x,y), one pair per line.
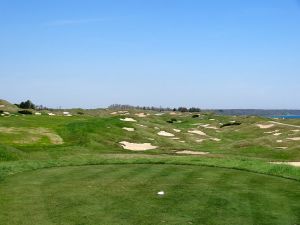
(93,53)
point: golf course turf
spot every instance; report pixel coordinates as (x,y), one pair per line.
(86,169)
(127,194)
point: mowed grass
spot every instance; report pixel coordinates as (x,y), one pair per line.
(73,170)
(127,194)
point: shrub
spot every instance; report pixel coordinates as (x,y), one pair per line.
(195,116)
(231,124)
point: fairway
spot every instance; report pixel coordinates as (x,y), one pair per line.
(127,194)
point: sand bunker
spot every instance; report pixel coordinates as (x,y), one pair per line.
(128,129)
(279,141)
(197,132)
(294,138)
(265,126)
(128,120)
(277,134)
(215,139)
(187,152)
(177,130)
(166,134)
(136,146)
(288,163)
(141,115)
(208,126)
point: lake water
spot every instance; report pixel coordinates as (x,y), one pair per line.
(287,117)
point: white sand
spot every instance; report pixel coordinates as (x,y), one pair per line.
(2,106)
(175,138)
(215,139)
(137,146)
(166,134)
(128,129)
(209,127)
(288,163)
(177,130)
(200,140)
(277,134)
(212,119)
(141,115)
(38,113)
(113,113)
(279,141)
(281,147)
(51,114)
(187,152)
(265,126)
(294,138)
(128,120)
(159,114)
(197,132)
(295,130)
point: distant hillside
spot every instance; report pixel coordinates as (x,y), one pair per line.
(7,106)
(257,112)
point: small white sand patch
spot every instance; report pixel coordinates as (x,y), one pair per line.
(156,128)
(294,138)
(175,138)
(128,129)
(265,126)
(197,132)
(173,113)
(128,119)
(182,141)
(277,134)
(200,140)
(141,125)
(2,106)
(140,114)
(288,163)
(177,130)
(51,114)
(166,134)
(295,130)
(209,127)
(38,113)
(113,113)
(281,147)
(187,152)
(159,114)
(215,139)
(279,141)
(212,119)
(137,146)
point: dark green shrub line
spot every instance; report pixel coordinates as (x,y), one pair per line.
(254,166)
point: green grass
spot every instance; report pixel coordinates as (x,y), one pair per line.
(126,194)
(43,181)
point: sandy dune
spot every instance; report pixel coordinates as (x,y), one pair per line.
(137,146)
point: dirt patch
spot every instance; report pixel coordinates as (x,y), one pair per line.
(188,152)
(166,134)
(137,146)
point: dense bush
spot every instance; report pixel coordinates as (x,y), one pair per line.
(172,120)
(231,124)
(195,116)
(27,105)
